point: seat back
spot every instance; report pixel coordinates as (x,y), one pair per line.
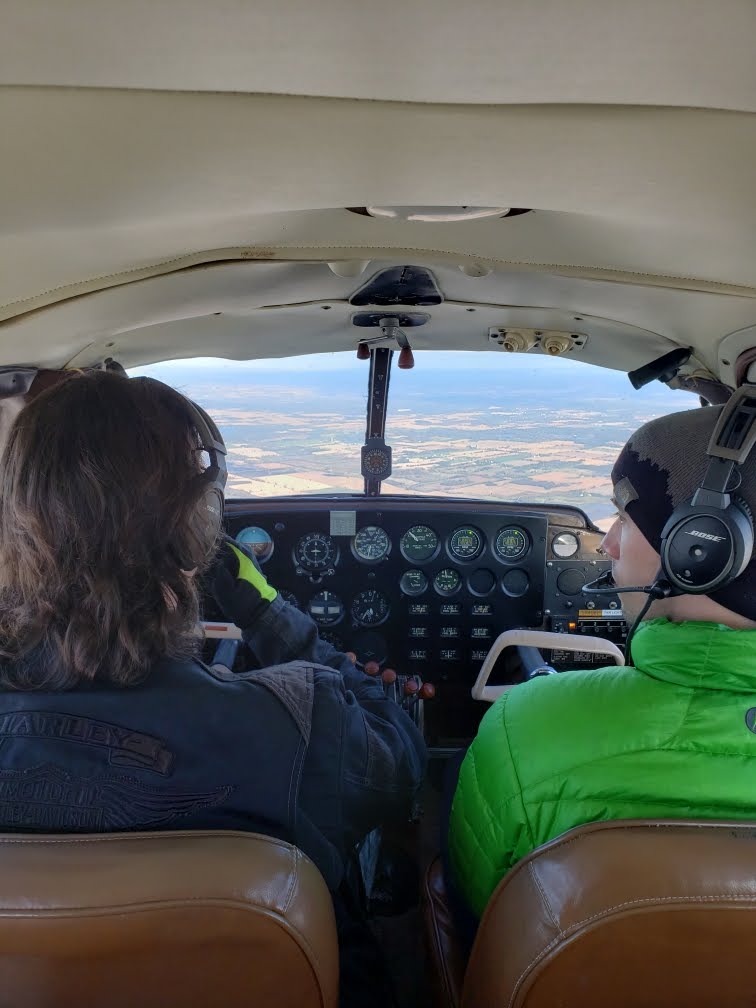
(183,918)
(625,914)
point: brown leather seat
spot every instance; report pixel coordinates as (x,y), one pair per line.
(179,920)
(630,913)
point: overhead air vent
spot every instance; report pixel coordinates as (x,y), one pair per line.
(516,339)
(437,214)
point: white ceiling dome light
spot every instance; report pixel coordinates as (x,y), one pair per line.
(436,214)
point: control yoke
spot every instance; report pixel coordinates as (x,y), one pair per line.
(536,639)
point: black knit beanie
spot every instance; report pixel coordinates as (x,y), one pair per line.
(660,467)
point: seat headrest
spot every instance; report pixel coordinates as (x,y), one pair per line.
(628,913)
(181,918)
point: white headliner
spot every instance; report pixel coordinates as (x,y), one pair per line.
(128,163)
(645,52)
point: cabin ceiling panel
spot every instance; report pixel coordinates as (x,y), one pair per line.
(657,52)
(100,184)
(248,310)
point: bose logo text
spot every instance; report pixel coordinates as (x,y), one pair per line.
(705,535)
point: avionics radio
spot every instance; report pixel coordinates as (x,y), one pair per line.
(606,623)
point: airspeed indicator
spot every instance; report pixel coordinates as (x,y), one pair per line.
(371,544)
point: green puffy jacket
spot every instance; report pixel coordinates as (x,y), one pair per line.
(674,737)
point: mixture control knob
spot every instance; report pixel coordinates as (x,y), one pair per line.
(352,657)
(389,676)
(372,668)
(427,691)
(411,686)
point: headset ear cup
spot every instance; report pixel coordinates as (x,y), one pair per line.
(703,549)
(212,515)
(745,508)
(745,524)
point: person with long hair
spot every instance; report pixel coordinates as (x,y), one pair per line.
(108,720)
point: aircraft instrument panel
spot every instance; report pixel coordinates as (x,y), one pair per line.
(425,586)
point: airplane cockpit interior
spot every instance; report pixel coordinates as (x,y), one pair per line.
(427,266)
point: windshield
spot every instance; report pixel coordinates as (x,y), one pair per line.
(481,425)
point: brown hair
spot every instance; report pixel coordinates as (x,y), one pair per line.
(100,512)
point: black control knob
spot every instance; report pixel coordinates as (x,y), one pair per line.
(571,580)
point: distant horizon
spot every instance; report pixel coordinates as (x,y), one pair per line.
(550,434)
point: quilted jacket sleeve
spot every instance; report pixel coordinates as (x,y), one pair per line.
(489,829)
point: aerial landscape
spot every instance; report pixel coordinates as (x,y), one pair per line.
(542,431)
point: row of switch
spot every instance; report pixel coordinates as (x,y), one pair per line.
(477,633)
(450,609)
(447,654)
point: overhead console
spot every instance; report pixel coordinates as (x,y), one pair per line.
(424,586)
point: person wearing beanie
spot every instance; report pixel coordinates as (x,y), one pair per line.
(673,735)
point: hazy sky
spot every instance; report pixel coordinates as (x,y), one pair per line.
(440,360)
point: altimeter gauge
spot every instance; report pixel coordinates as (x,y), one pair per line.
(370,608)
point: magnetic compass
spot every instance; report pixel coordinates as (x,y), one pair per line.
(376,459)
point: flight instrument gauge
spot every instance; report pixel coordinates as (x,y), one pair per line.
(325,608)
(258,540)
(465,543)
(370,608)
(371,544)
(315,552)
(419,543)
(289,597)
(447,581)
(376,459)
(413,582)
(332,639)
(511,544)
(565,545)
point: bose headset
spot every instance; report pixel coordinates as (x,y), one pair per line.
(213,477)
(707,541)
